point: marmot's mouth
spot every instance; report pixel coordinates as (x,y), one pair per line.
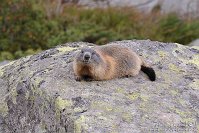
(86,61)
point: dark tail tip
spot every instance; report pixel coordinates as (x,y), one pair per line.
(149,72)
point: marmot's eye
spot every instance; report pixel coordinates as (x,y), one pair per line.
(82,51)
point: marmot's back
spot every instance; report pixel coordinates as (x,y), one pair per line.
(109,61)
(125,58)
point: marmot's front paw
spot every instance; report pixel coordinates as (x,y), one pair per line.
(77,78)
(88,79)
(128,76)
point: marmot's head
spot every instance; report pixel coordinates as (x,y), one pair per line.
(88,56)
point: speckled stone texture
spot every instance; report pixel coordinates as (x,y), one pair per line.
(38,93)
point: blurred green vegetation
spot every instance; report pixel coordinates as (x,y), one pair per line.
(27,26)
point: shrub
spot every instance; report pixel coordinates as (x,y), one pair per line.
(23,27)
(5,55)
(174,29)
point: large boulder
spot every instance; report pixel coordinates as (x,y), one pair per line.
(38,93)
(195,43)
(4,62)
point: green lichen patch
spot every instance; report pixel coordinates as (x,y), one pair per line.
(195,84)
(180,112)
(144,107)
(188,120)
(195,60)
(120,90)
(182,101)
(144,98)
(13,95)
(174,92)
(183,114)
(78,109)
(174,68)
(62,103)
(162,54)
(134,96)
(38,80)
(80,124)
(40,127)
(27,95)
(3,109)
(3,67)
(102,106)
(1,72)
(65,49)
(108,108)
(35,90)
(180,48)
(127,117)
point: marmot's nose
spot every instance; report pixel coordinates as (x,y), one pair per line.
(87,56)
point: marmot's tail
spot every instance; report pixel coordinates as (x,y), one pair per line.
(149,72)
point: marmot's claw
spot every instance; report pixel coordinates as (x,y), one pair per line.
(128,76)
(77,78)
(88,79)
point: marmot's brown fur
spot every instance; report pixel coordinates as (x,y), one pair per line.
(108,62)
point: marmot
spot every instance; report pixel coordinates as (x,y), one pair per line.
(108,62)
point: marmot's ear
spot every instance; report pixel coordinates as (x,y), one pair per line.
(98,55)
